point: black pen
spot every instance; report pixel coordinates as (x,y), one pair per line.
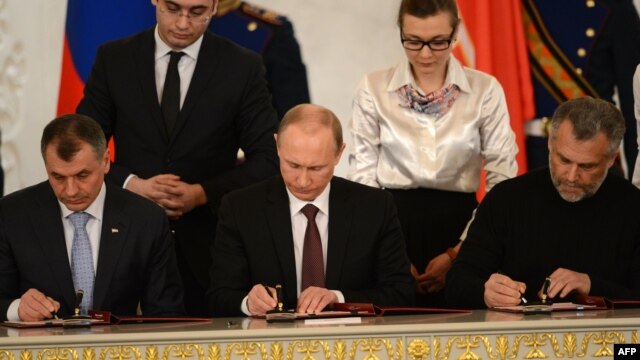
(278,295)
(268,291)
(545,289)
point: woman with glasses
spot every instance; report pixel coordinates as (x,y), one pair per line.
(424,129)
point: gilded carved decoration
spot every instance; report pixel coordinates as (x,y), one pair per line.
(466,347)
(371,347)
(340,350)
(119,353)
(151,354)
(58,354)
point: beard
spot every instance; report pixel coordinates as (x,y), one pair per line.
(572,191)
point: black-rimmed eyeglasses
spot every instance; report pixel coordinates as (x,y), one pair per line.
(434,45)
(174,11)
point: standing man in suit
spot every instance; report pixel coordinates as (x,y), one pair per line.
(178,124)
(351,251)
(124,241)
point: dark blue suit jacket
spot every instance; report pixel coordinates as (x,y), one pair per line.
(136,261)
(366,258)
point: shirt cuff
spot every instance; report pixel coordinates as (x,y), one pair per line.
(126,181)
(12,311)
(244,306)
(339,295)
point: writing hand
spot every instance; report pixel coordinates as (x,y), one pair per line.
(314,299)
(259,301)
(500,290)
(36,306)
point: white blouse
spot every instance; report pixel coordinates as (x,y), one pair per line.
(399,148)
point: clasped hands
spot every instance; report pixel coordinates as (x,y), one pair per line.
(175,196)
(312,300)
(501,290)
(434,276)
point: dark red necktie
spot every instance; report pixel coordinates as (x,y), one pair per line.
(312,258)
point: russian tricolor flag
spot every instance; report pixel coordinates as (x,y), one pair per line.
(89,24)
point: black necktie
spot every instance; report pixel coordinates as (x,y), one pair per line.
(171,92)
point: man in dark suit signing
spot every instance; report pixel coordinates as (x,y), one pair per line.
(323,238)
(179,103)
(77,232)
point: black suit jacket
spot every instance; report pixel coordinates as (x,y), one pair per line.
(366,258)
(226,107)
(136,261)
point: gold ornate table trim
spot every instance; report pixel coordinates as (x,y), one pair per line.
(478,336)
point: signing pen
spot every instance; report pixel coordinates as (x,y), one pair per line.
(522,298)
(268,291)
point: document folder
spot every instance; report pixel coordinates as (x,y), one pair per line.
(360,309)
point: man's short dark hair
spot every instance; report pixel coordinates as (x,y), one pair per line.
(589,117)
(68,132)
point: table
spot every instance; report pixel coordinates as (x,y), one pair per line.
(478,335)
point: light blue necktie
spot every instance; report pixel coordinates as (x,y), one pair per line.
(82,260)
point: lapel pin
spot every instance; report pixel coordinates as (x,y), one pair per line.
(114,230)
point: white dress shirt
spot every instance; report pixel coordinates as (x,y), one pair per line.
(298,228)
(186,65)
(636,106)
(94,230)
(399,148)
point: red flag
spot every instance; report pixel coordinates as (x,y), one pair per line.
(90,23)
(491,39)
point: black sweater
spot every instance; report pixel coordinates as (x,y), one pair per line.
(525,230)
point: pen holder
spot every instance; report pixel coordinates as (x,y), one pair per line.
(76,321)
(280,316)
(538,307)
